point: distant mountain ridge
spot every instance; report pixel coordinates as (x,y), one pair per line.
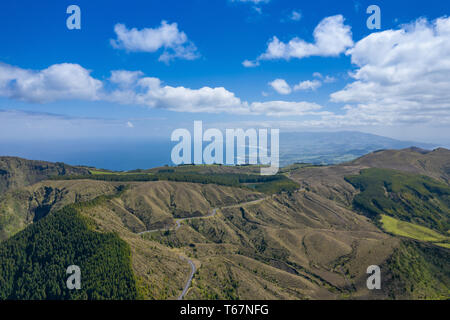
(129,154)
(336,147)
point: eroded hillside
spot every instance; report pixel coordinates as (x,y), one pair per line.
(311,243)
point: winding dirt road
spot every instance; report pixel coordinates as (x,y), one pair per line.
(191,276)
(178,225)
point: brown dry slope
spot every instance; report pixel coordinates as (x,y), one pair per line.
(143,206)
(286,247)
(329,181)
(307,244)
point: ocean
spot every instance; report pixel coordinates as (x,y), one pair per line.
(112,154)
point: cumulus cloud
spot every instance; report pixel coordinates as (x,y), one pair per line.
(308,85)
(280,86)
(125,78)
(59,81)
(402,76)
(149,91)
(175,43)
(73,82)
(326,79)
(331,38)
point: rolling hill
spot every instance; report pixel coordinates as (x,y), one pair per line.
(312,242)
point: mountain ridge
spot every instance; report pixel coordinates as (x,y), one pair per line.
(307,243)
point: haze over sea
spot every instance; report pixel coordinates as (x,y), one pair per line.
(122,154)
(117,154)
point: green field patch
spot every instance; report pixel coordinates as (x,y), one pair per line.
(403,196)
(411,230)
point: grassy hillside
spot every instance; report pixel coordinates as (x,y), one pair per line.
(414,231)
(435,164)
(16,172)
(417,271)
(21,207)
(308,243)
(33,263)
(407,197)
(288,246)
(329,181)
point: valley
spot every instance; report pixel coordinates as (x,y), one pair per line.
(219,232)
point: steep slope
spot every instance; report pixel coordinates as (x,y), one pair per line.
(288,246)
(33,263)
(404,204)
(21,207)
(16,172)
(159,270)
(408,197)
(330,181)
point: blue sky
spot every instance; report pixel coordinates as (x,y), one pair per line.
(207,43)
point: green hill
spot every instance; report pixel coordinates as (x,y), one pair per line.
(33,263)
(407,197)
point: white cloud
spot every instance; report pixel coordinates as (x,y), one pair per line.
(73,82)
(280,86)
(151,92)
(129,124)
(326,79)
(329,79)
(250,64)
(175,43)
(317,75)
(59,81)
(402,76)
(295,16)
(331,37)
(125,78)
(308,85)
